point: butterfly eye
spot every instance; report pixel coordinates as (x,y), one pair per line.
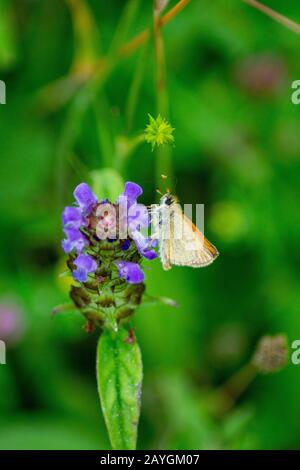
(168,200)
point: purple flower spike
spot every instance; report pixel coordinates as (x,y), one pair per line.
(75,240)
(85,198)
(85,265)
(132,192)
(131,272)
(72,218)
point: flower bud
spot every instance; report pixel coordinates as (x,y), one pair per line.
(271,354)
(159,132)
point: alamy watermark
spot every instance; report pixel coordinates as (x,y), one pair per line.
(2,352)
(295,98)
(295,358)
(2,92)
(162,221)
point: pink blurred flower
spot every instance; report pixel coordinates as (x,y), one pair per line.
(262,75)
(11,322)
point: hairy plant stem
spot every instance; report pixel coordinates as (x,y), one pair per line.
(141,38)
(290,24)
(226,396)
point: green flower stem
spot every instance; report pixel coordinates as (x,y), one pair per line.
(86,35)
(128,15)
(163,154)
(67,138)
(135,87)
(125,146)
(119,377)
(105,132)
(226,396)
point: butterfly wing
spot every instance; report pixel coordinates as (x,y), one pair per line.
(192,248)
(165,245)
(165,249)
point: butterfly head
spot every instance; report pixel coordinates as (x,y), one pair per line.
(167,199)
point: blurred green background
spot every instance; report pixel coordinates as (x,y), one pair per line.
(229,75)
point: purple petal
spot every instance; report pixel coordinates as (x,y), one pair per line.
(131,272)
(85,198)
(72,218)
(85,265)
(80,275)
(153,242)
(149,254)
(132,191)
(75,240)
(143,245)
(138,216)
(86,262)
(140,240)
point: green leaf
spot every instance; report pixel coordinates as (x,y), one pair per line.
(107,183)
(119,376)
